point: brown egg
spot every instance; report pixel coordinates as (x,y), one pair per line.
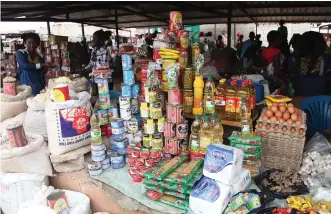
(281,120)
(301,132)
(276,127)
(286,116)
(279,114)
(282,104)
(292,130)
(298,123)
(284,129)
(294,117)
(290,104)
(273,119)
(269,113)
(275,104)
(265,118)
(274,109)
(260,125)
(268,127)
(282,109)
(289,121)
(290,109)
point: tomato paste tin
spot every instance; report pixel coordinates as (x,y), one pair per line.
(176,20)
(169,129)
(175,113)
(182,130)
(172,145)
(104,101)
(131,161)
(149,163)
(60,93)
(144,154)
(136,152)
(103,87)
(183,37)
(155,153)
(103,116)
(128,77)
(135,91)
(103,130)
(183,58)
(117,123)
(9,86)
(130,148)
(112,113)
(126,62)
(175,97)
(58,202)
(134,106)
(16,134)
(124,102)
(126,90)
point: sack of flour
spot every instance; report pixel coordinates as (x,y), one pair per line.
(3,124)
(32,158)
(14,105)
(68,123)
(78,84)
(35,116)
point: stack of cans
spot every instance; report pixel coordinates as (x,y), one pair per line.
(100,160)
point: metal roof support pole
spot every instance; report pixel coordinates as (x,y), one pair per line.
(83,31)
(229,25)
(48,28)
(255,28)
(116,26)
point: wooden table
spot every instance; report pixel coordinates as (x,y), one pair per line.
(255,115)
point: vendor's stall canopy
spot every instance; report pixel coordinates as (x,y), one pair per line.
(138,14)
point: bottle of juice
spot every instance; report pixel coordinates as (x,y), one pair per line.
(206,136)
(198,95)
(95,128)
(243,92)
(231,101)
(209,97)
(220,98)
(246,121)
(252,94)
(195,128)
(218,132)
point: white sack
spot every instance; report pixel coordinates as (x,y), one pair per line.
(79,84)
(32,158)
(5,123)
(14,105)
(17,188)
(68,124)
(78,203)
(35,118)
(71,161)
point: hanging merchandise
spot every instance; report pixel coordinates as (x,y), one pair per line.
(183,37)
(176,20)
(172,75)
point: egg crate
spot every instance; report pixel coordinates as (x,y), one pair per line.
(282,151)
(281,125)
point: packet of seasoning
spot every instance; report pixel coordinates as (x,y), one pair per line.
(153,195)
(172,76)
(155,188)
(253,202)
(238,201)
(247,148)
(175,202)
(236,138)
(241,210)
(177,194)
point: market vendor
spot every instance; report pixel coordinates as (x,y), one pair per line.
(31,65)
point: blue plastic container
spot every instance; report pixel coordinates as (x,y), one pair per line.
(259,92)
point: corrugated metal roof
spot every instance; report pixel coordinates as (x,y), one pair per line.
(152,14)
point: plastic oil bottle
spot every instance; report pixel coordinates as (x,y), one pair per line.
(246,121)
(209,96)
(220,98)
(231,101)
(196,125)
(218,132)
(198,95)
(194,143)
(252,94)
(212,119)
(206,136)
(95,128)
(243,92)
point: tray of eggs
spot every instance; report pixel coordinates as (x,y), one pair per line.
(282,118)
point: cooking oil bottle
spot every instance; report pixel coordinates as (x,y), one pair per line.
(95,128)
(252,94)
(196,125)
(212,119)
(246,121)
(206,136)
(209,97)
(243,92)
(218,132)
(231,101)
(220,98)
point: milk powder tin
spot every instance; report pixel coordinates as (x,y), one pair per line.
(104,101)
(124,102)
(92,165)
(117,123)
(128,77)
(98,147)
(182,130)
(125,113)
(97,153)
(117,160)
(95,172)
(112,113)
(103,87)
(134,106)
(126,62)
(118,137)
(103,116)
(99,158)
(118,131)
(126,90)
(135,91)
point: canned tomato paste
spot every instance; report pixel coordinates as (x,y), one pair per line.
(175,97)
(183,37)
(176,20)
(58,202)
(172,145)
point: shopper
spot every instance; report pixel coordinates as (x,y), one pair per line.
(240,44)
(249,51)
(284,48)
(31,65)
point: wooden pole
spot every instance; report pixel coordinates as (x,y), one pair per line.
(229,24)
(116,26)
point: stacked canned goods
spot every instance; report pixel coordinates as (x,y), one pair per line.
(100,160)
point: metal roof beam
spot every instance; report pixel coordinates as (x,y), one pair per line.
(241,7)
(189,6)
(142,14)
(55,20)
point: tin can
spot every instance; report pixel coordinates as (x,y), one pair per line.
(118,137)
(98,147)
(132,125)
(125,113)
(170,33)
(135,91)
(136,152)
(149,163)
(117,160)
(182,130)
(183,58)
(195,52)
(144,154)
(144,71)
(146,93)
(99,158)
(150,126)
(155,111)
(9,87)
(172,145)
(175,113)
(188,101)
(128,77)
(157,141)
(95,172)
(147,140)
(169,129)
(118,130)
(160,124)
(126,90)
(126,62)
(184,40)
(175,97)
(121,144)
(98,153)
(176,20)
(153,95)
(16,135)
(103,116)
(159,76)
(92,165)
(134,106)
(118,123)
(103,87)
(112,113)
(144,110)
(58,202)
(105,164)
(130,148)
(60,93)
(124,102)
(155,153)
(104,101)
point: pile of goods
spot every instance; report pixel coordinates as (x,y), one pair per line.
(306,204)
(243,203)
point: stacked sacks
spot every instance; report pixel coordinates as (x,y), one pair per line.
(68,128)
(78,84)
(14,105)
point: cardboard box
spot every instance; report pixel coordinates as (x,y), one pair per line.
(57,61)
(54,39)
(56,53)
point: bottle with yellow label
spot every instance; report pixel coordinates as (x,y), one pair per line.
(198,93)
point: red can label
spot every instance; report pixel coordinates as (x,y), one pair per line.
(149,163)
(9,88)
(175,97)
(155,153)
(172,146)
(175,113)
(169,129)
(170,33)
(183,37)
(144,154)
(181,130)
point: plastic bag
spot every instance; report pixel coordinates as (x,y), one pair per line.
(318,143)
